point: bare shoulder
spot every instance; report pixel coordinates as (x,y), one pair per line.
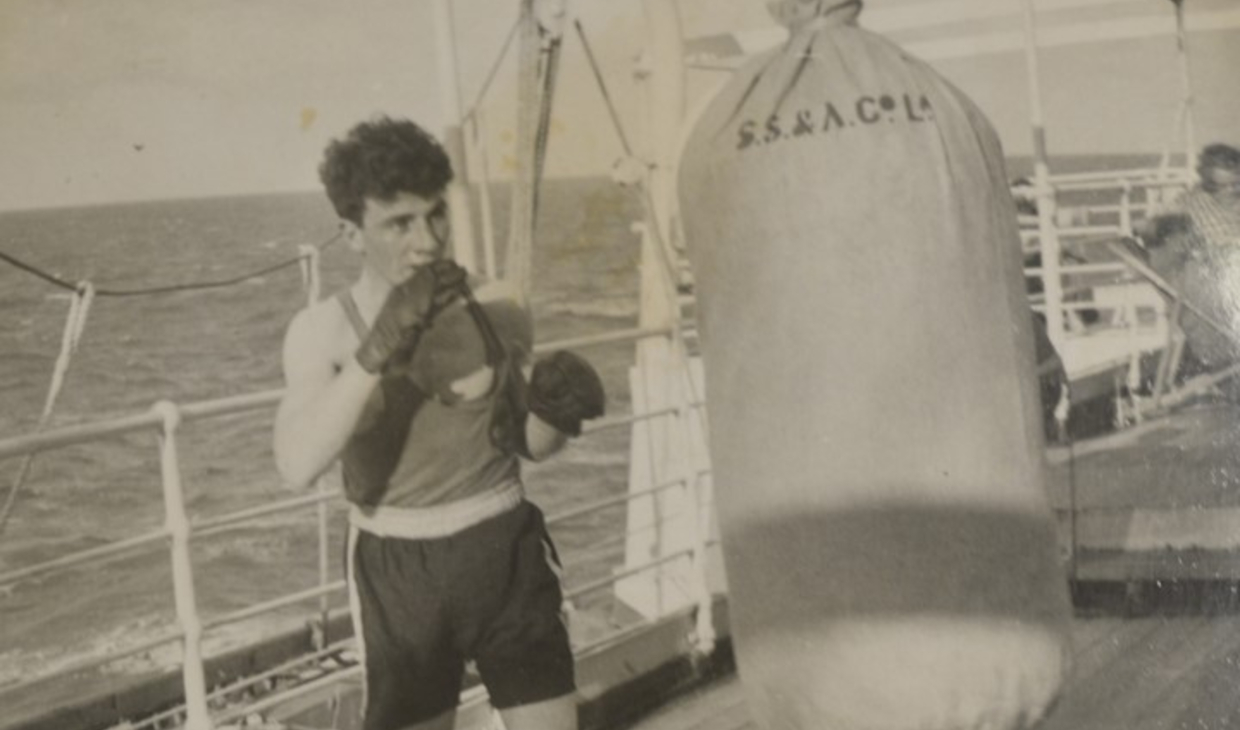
(319,337)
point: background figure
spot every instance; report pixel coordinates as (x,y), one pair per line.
(875,423)
(1195,246)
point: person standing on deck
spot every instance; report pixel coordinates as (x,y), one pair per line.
(1209,213)
(1195,245)
(396,377)
(1213,206)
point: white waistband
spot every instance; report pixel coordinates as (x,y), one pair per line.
(441,520)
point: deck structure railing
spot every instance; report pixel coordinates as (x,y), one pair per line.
(1101,314)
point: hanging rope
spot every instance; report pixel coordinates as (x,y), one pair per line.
(663,247)
(495,67)
(550,73)
(167,289)
(75,326)
(602,87)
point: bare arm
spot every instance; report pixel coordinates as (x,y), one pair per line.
(323,400)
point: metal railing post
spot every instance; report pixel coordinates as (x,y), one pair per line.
(312,263)
(1125,208)
(177,522)
(321,639)
(704,626)
(311,272)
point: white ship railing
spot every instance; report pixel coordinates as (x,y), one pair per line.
(179,531)
(1089,211)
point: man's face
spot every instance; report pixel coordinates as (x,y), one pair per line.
(1223,184)
(399,236)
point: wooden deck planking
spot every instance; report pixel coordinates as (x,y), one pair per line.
(1159,673)
(1122,683)
(1097,642)
(719,705)
(1202,682)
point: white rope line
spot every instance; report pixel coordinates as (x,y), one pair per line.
(75,326)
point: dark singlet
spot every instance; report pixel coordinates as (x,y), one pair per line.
(412,451)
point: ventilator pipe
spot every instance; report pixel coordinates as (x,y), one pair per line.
(177,523)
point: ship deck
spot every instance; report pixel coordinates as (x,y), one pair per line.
(1151,524)
(1150,673)
(1150,518)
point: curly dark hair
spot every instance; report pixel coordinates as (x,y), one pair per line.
(379,159)
(1219,156)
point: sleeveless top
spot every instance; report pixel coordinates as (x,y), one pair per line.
(409,450)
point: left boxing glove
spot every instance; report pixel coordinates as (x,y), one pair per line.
(407,311)
(565,390)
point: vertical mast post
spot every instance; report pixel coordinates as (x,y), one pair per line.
(1048,236)
(453,136)
(665,104)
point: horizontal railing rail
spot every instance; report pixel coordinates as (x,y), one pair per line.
(216,525)
(199,529)
(92,555)
(1069,269)
(1118,180)
(162,420)
(151,420)
(274,604)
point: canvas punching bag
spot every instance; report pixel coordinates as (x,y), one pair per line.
(874,417)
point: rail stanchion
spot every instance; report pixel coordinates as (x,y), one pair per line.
(311,271)
(704,626)
(321,639)
(1125,207)
(193,676)
(312,262)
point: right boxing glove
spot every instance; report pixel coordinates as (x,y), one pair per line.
(564,390)
(408,310)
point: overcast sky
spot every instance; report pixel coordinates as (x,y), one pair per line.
(137,99)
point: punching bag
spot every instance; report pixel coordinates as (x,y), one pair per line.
(875,425)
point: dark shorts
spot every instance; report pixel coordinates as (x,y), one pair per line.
(490,593)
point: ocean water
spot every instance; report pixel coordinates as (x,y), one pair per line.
(200,345)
